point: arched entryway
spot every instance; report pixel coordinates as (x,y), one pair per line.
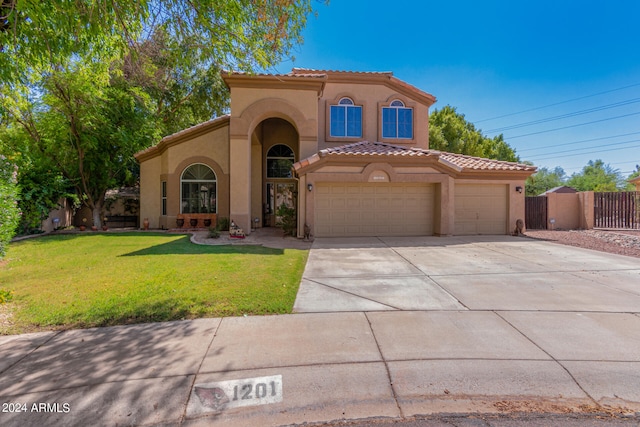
(275,147)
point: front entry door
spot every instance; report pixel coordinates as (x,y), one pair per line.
(279,193)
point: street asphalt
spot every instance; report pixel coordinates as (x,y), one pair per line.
(385,329)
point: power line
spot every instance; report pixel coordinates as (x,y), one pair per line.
(567,115)
(585,148)
(572,126)
(635,162)
(589,152)
(557,103)
(578,142)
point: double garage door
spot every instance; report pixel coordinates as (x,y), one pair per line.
(376,209)
(405,209)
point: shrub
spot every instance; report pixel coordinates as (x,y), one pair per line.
(223,224)
(9,212)
(286,219)
(214,233)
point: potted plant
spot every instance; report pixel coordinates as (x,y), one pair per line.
(207,222)
(180,221)
(193,222)
(104,224)
(83,226)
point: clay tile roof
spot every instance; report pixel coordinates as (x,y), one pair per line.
(479,163)
(459,162)
(290,74)
(309,71)
(366,148)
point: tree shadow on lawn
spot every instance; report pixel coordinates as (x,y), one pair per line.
(184,246)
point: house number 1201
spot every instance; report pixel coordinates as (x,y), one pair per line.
(223,395)
(246,391)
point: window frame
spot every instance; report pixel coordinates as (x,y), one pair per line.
(291,158)
(337,103)
(200,183)
(163,197)
(396,105)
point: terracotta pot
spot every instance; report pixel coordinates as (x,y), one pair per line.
(145,223)
(83,227)
(105,228)
(193,222)
(180,222)
(207,222)
(94,228)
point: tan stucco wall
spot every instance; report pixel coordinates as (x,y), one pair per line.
(150,200)
(251,111)
(565,209)
(211,149)
(370,96)
(586,211)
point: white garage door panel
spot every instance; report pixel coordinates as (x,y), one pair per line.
(481,209)
(373,209)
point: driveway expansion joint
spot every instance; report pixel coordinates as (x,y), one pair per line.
(386,366)
(352,294)
(573,378)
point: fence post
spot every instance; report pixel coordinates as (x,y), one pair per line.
(587,208)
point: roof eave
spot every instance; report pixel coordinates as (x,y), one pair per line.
(276,81)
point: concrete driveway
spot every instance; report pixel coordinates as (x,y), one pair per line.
(465,273)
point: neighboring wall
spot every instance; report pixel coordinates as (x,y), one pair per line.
(565,210)
(570,211)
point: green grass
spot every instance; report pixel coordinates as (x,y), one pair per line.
(85,280)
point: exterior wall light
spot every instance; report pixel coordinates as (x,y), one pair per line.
(309,187)
(519,189)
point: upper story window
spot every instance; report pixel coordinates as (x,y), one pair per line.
(397,121)
(280,159)
(346,119)
(198,188)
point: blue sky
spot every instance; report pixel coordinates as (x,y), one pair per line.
(491,59)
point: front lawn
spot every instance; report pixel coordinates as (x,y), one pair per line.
(99,279)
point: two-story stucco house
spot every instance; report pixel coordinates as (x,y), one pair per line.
(348,150)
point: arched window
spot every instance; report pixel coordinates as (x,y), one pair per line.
(346,119)
(280,159)
(397,121)
(198,186)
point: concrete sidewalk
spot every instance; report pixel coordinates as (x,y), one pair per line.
(331,366)
(568,341)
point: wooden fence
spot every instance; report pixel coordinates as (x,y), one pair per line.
(617,210)
(535,212)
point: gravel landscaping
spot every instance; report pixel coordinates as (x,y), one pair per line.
(621,242)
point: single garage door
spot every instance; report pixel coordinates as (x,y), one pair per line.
(481,209)
(375,209)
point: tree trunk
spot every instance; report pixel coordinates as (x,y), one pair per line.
(96,212)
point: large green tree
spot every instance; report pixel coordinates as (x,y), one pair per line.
(90,82)
(9,212)
(544,179)
(36,36)
(87,129)
(450,131)
(42,185)
(597,176)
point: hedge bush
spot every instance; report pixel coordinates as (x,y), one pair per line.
(9,212)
